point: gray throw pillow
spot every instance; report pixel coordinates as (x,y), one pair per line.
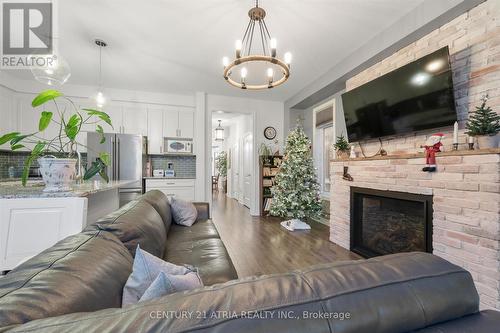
(183,212)
(165,284)
(145,270)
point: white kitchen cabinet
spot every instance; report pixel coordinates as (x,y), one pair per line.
(178,188)
(135,120)
(170,123)
(186,124)
(115,112)
(155,131)
(29,226)
(7,114)
(178,123)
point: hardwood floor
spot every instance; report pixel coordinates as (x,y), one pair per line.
(259,245)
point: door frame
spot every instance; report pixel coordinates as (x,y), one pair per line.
(252,177)
(254,206)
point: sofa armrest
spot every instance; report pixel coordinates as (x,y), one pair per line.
(203,209)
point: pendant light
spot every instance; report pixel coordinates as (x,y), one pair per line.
(99,98)
(219,132)
(55,72)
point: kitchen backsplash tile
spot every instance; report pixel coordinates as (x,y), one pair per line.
(17,159)
(184,166)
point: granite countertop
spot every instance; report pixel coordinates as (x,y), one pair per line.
(34,189)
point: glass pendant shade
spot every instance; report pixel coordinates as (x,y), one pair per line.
(219,132)
(100,99)
(55,73)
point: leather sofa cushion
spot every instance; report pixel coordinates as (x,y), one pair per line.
(137,223)
(83,272)
(208,255)
(483,322)
(396,293)
(203,210)
(203,229)
(159,201)
(411,290)
(287,292)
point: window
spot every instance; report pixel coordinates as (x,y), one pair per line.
(324,138)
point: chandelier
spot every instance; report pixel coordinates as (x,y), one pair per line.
(278,70)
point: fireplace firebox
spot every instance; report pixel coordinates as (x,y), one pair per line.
(386,222)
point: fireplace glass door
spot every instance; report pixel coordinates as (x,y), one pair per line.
(384,222)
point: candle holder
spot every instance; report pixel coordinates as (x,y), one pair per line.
(455,146)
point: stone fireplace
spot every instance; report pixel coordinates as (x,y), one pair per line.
(465,189)
(387,222)
(465,198)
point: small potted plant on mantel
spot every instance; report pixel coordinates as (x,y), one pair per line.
(342,147)
(59,172)
(484,124)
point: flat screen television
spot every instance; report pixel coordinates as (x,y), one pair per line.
(415,97)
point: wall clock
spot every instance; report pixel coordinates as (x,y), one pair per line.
(270,133)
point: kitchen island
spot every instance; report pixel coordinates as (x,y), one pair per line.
(32,220)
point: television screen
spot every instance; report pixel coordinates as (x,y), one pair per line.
(415,97)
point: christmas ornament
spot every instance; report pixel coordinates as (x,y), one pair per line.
(432,146)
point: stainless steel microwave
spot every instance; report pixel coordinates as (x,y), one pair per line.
(178,146)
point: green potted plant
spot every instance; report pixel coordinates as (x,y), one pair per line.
(484,124)
(221,166)
(57,156)
(265,153)
(342,147)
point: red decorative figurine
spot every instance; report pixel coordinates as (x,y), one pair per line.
(432,146)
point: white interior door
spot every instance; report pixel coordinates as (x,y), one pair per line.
(247,169)
(236,172)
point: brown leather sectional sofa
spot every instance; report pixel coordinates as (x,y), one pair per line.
(76,286)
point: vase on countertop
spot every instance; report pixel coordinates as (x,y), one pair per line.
(58,173)
(487,141)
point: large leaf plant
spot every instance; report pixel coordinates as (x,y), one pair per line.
(64,144)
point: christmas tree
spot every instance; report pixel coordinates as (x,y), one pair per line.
(296,190)
(483,121)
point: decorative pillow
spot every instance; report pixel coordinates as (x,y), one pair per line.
(183,212)
(165,284)
(145,270)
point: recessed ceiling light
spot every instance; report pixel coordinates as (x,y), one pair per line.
(220,112)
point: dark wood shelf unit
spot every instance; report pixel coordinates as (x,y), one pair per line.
(267,164)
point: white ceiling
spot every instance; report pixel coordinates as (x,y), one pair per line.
(177,46)
(226,118)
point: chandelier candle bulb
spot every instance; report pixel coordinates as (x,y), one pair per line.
(238,45)
(244,73)
(288,58)
(270,73)
(225,62)
(274,44)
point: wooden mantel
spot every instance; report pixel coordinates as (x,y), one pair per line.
(421,155)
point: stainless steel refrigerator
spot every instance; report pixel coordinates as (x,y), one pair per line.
(127,160)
